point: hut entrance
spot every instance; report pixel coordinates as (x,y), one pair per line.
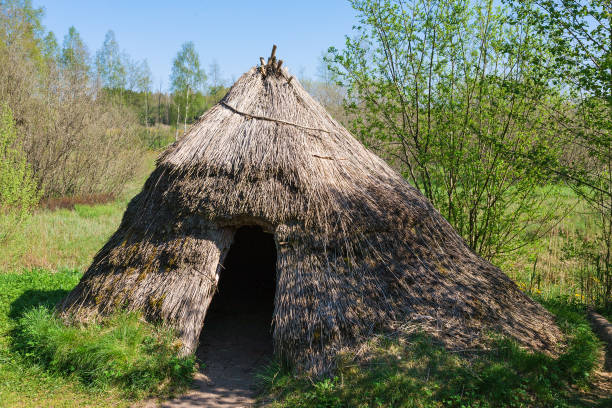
(236,337)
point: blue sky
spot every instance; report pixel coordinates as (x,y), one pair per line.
(234,33)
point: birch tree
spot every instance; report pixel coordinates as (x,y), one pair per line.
(110,64)
(187,76)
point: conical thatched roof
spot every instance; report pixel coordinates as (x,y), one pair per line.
(359,249)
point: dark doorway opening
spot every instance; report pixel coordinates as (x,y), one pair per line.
(248,276)
(236,338)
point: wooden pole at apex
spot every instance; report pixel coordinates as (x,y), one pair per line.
(273,55)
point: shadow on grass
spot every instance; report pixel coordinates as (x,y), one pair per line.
(414,370)
(29,300)
(33,298)
(122,351)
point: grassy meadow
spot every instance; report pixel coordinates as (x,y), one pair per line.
(69,237)
(543,266)
(38,266)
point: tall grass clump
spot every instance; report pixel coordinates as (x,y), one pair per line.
(122,351)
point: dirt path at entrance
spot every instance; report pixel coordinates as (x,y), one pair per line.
(236,340)
(232,350)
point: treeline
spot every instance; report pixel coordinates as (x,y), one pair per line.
(128,82)
(81,118)
(75,142)
(74,123)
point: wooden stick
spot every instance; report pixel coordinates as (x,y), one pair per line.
(272,56)
(262,60)
(250,116)
(280,63)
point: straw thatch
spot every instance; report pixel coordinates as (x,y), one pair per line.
(359,249)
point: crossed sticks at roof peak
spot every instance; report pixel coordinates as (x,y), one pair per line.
(272,66)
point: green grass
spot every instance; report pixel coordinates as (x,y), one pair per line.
(45,363)
(95,211)
(22,382)
(157,137)
(60,239)
(123,351)
(548,268)
(110,365)
(415,372)
(68,238)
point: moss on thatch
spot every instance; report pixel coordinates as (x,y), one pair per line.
(359,249)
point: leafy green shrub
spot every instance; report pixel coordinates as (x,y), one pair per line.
(122,351)
(583,345)
(18,189)
(323,394)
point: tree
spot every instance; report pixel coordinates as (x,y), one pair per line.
(74,57)
(50,47)
(145,81)
(75,143)
(579,42)
(187,76)
(18,190)
(110,64)
(446,92)
(20,23)
(139,81)
(214,73)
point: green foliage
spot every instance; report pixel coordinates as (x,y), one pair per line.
(20,20)
(446,93)
(187,77)
(187,73)
(157,137)
(41,357)
(579,37)
(23,384)
(580,49)
(592,272)
(122,351)
(578,33)
(76,143)
(415,372)
(75,55)
(110,63)
(199,103)
(18,189)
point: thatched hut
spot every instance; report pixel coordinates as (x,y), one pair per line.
(356,248)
